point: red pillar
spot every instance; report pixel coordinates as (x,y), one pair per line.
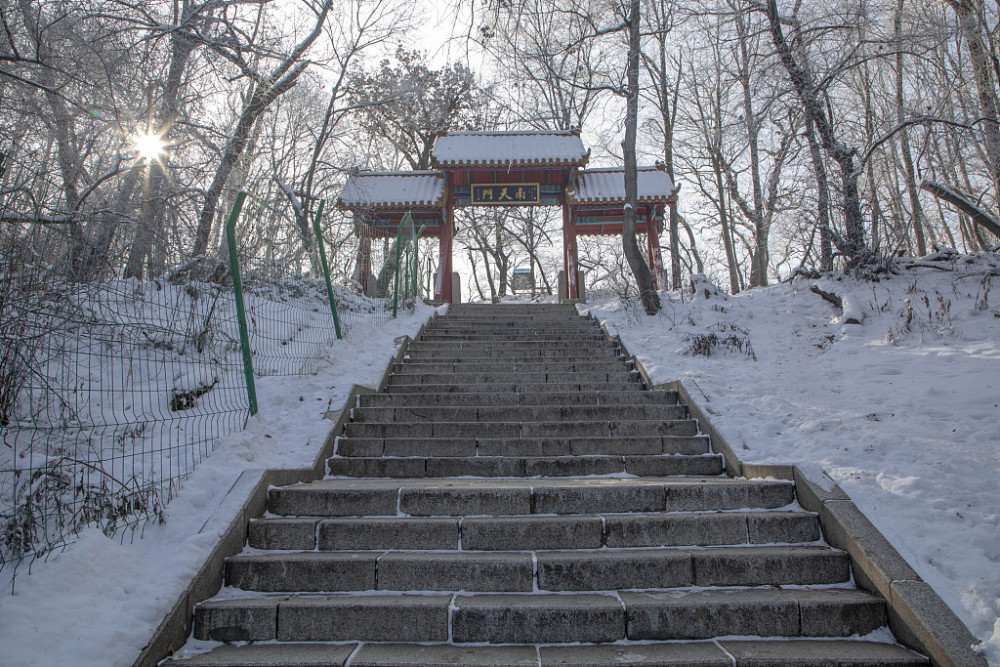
(570,255)
(442,291)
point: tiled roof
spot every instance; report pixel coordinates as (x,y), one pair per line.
(608,186)
(393,189)
(545,148)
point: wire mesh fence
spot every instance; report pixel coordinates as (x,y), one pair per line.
(113,389)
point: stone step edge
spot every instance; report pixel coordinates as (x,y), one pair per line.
(607,531)
(792,605)
(717,653)
(680,569)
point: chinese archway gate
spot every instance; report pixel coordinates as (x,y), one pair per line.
(538,168)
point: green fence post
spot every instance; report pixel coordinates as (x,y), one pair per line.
(241,316)
(326,268)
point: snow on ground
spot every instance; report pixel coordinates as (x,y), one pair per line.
(903,411)
(99,601)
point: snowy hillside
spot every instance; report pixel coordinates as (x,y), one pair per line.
(98,602)
(903,411)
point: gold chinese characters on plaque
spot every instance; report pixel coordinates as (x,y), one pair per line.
(505,194)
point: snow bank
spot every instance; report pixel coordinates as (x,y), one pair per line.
(902,411)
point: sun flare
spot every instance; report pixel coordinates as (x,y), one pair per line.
(149,146)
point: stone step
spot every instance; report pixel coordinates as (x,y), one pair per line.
(745,652)
(523,399)
(532,533)
(506,310)
(510,466)
(539,345)
(540,355)
(539,447)
(630,386)
(547,618)
(472,497)
(527,571)
(516,378)
(557,323)
(518,413)
(503,429)
(514,336)
(411,367)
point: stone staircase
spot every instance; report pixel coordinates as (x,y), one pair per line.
(518,497)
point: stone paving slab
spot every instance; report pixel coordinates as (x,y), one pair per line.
(273,655)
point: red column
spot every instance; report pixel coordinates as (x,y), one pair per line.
(570,256)
(442,291)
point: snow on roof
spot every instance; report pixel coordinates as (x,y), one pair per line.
(392,189)
(551,147)
(608,185)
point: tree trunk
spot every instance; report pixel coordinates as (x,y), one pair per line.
(760,259)
(965,204)
(156,184)
(968,12)
(854,246)
(264,92)
(643,278)
(916,211)
(727,236)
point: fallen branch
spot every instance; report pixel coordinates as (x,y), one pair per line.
(851,314)
(962,202)
(829,296)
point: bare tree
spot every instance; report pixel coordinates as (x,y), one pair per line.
(264,89)
(811,94)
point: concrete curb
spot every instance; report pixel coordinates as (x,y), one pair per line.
(249,492)
(917,615)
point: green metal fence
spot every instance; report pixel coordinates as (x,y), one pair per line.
(112,389)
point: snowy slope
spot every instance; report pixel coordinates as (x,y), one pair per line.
(903,411)
(99,601)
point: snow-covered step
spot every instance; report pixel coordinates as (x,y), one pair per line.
(543,618)
(529,533)
(525,571)
(753,652)
(398,386)
(523,466)
(524,446)
(520,413)
(391,400)
(467,497)
(413,367)
(583,379)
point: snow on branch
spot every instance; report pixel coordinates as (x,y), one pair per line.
(296,204)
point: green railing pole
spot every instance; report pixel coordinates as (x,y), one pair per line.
(326,268)
(395,281)
(241,316)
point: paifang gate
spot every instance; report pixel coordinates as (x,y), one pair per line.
(518,168)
